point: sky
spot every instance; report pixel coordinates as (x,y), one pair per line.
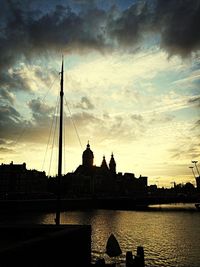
(131,84)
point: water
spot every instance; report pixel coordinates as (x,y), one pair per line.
(170,234)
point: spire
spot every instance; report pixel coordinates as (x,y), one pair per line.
(88,144)
(112,164)
(104,163)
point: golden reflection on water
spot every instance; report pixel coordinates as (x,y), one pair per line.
(170,238)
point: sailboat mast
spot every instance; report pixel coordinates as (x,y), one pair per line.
(57,220)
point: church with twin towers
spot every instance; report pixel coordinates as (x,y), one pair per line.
(87,163)
(103,180)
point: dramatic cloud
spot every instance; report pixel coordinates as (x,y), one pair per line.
(131,78)
(197,123)
(30,31)
(5,95)
(84,104)
(12,79)
(15,128)
(8,114)
(2,142)
(186,152)
(41,112)
(11,123)
(85,119)
(177,22)
(60,28)
(195,101)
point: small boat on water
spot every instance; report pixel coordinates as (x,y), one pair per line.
(197,205)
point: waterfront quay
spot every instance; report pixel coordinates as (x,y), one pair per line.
(123,203)
(45,245)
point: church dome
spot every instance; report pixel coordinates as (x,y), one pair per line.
(88,157)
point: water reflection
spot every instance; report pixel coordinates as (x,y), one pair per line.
(170,238)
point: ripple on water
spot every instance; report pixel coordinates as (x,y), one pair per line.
(169,238)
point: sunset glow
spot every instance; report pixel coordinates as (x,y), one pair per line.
(131,85)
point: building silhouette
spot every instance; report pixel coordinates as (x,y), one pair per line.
(15,178)
(103,181)
(198,183)
(87,180)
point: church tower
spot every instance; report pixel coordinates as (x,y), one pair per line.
(112,164)
(87,157)
(104,164)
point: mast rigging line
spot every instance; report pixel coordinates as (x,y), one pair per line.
(50,132)
(23,130)
(74,125)
(52,147)
(56,78)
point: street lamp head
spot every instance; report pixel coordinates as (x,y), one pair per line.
(194,161)
(191,167)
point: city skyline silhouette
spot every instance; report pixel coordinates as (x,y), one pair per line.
(99,133)
(130,90)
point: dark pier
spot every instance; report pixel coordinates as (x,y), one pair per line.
(45,245)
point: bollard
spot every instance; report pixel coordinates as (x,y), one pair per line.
(140,256)
(129,259)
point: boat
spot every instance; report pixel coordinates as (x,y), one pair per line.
(197,205)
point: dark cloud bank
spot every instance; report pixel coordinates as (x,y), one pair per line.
(28,31)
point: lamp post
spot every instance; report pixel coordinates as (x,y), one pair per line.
(191,167)
(195,163)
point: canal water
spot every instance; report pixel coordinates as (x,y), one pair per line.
(170,234)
